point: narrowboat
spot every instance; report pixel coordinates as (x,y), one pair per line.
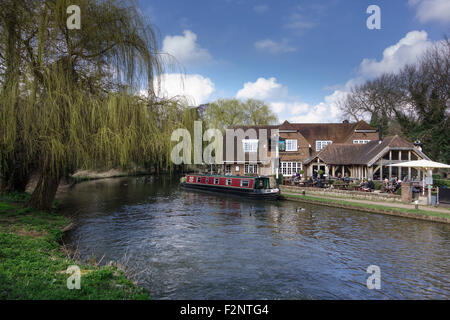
(251,187)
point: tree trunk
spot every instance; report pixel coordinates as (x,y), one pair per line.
(43,195)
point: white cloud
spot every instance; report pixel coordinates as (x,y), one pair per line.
(432,10)
(261,8)
(292,108)
(405,51)
(264,89)
(185,48)
(299,23)
(195,88)
(327,111)
(274,47)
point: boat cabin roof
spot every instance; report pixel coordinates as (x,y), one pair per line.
(228,177)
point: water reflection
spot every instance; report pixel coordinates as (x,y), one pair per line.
(197,245)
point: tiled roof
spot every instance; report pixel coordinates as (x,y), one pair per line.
(336,132)
(346,154)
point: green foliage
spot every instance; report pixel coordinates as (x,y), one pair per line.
(377,185)
(32,264)
(69,99)
(441,183)
(280,179)
(226,113)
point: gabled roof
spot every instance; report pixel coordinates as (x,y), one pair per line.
(286,125)
(346,154)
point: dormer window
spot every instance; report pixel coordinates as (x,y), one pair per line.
(360,141)
(291,145)
(320,144)
(250,145)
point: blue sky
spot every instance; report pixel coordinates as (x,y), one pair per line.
(298,56)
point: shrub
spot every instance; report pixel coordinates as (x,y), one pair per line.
(377,185)
(441,183)
(280,179)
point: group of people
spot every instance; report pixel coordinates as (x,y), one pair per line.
(393,185)
(367,186)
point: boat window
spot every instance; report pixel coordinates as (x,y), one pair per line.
(207,180)
(191,179)
(228,182)
(199,179)
(245,183)
(216,180)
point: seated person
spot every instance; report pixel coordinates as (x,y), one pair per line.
(370,184)
(319,183)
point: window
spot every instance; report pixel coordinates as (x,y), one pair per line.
(320,144)
(291,145)
(281,145)
(228,182)
(361,141)
(191,179)
(290,168)
(207,180)
(250,145)
(216,180)
(251,168)
(199,179)
(228,169)
(245,183)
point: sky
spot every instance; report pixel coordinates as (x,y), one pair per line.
(299,57)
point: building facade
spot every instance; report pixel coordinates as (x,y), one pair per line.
(343,149)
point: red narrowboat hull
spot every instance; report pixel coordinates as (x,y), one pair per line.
(241,186)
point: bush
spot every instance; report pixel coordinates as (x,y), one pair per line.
(280,179)
(441,183)
(377,185)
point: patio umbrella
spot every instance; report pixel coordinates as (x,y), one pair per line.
(427,165)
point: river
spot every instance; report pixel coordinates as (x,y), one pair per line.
(191,245)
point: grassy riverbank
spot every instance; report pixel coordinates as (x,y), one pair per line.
(370,207)
(33,262)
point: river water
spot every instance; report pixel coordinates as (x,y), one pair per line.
(191,245)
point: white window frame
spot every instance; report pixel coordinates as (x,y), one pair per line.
(247,182)
(250,168)
(216,181)
(360,141)
(199,179)
(250,145)
(228,169)
(291,145)
(290,168)
(320,144)
(228,182)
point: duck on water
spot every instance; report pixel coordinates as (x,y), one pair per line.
(251,187)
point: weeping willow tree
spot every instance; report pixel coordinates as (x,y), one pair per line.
(78,90)
(15,116)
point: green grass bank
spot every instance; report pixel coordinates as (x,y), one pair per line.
(33,261)
(372,208)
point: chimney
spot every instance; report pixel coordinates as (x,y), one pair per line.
(380,133)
